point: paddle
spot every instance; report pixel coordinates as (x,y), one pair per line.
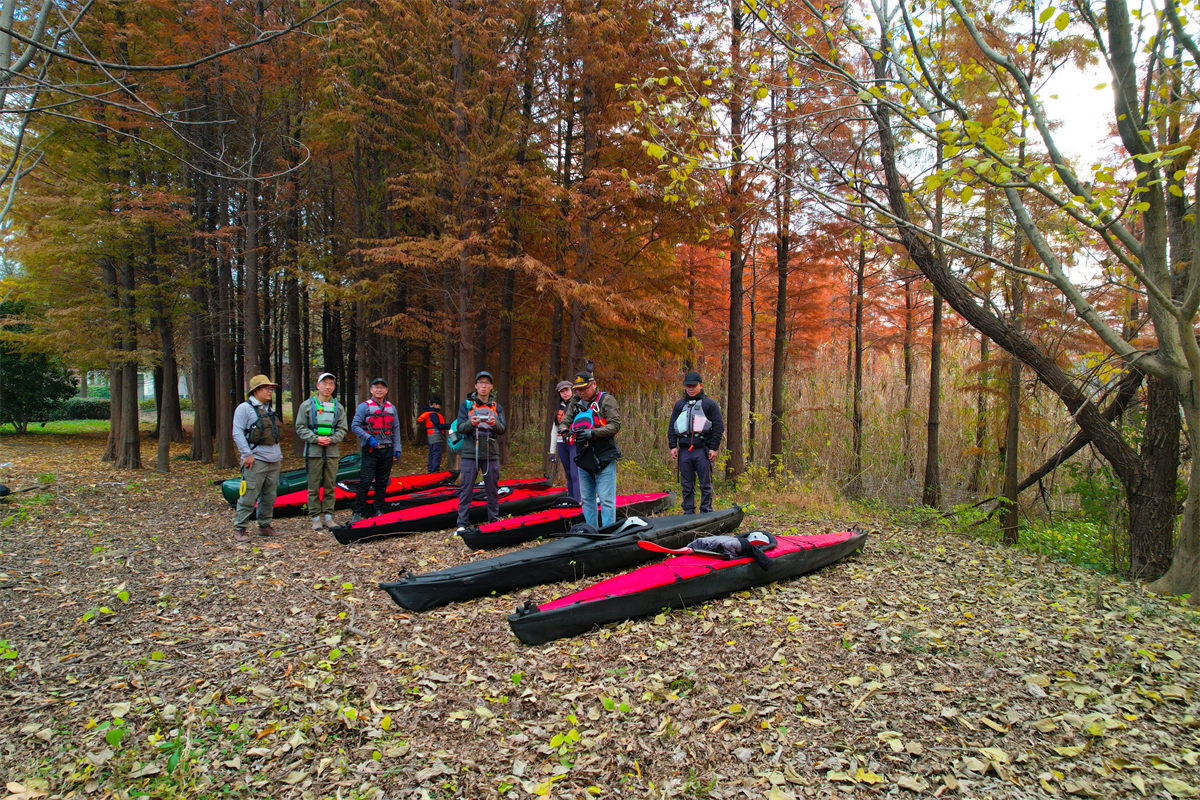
(655,547)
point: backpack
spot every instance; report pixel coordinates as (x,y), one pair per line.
(586,420)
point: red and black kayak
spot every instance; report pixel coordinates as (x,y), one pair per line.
(514,499)
(583,551)
(514,530)
(684,580)
(408,487)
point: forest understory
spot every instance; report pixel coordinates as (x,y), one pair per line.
(144,653)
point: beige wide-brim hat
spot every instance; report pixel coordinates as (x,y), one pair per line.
(259,381)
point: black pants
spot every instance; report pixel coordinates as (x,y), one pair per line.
(694,464)
(377,470)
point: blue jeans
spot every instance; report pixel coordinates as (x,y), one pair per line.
(566,457)
(601,486)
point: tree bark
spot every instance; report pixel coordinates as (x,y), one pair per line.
(854,485)
(931,491)
(251,325)
(733,412)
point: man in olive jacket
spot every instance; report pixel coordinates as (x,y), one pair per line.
(321,424)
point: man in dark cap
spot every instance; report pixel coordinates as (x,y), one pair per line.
(694,435)
(435,429)
(377,426)
(594,421)
(480,421)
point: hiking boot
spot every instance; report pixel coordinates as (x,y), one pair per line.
(329,521)
(317,524)
(267,530)
(461,530)
(356,518)
(240,535)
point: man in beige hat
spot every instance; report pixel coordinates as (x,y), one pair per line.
(256,434)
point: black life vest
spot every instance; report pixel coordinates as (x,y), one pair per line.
(265,428)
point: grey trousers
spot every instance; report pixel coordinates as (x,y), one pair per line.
(262,484)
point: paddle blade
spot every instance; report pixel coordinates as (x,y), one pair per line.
(655,547)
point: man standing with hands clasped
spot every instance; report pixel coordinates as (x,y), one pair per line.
(321,424)
(694,434)
(377,427)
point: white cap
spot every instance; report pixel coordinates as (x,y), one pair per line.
(325,375)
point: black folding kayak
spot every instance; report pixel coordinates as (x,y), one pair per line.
(572,556)
(683,580)
(559,519)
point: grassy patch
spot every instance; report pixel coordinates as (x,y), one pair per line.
(68,426)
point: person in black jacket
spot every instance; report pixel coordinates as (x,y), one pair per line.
(694,435)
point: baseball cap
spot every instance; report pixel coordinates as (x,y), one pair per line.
(581,380)
(483,373)
(379,380)
(325,375)
(692,378)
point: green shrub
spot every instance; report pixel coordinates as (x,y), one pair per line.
(81,408)
(185,404)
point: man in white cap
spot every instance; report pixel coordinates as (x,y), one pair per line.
(321,425)
(256,435)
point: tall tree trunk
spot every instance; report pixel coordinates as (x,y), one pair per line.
(251,326)
(229,383)
(1153,504)
(752,382)
(733,412)
(910,335)
(931,491)
(112,289)
(854,486)
(130,455)
(783,245)
(981,396)
(463,216)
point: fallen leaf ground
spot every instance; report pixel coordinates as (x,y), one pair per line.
(146,654)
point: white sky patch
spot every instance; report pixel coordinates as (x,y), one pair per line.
(1085,112)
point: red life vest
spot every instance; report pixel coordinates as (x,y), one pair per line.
(380,418)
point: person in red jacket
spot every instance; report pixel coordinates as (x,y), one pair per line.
(435,430)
